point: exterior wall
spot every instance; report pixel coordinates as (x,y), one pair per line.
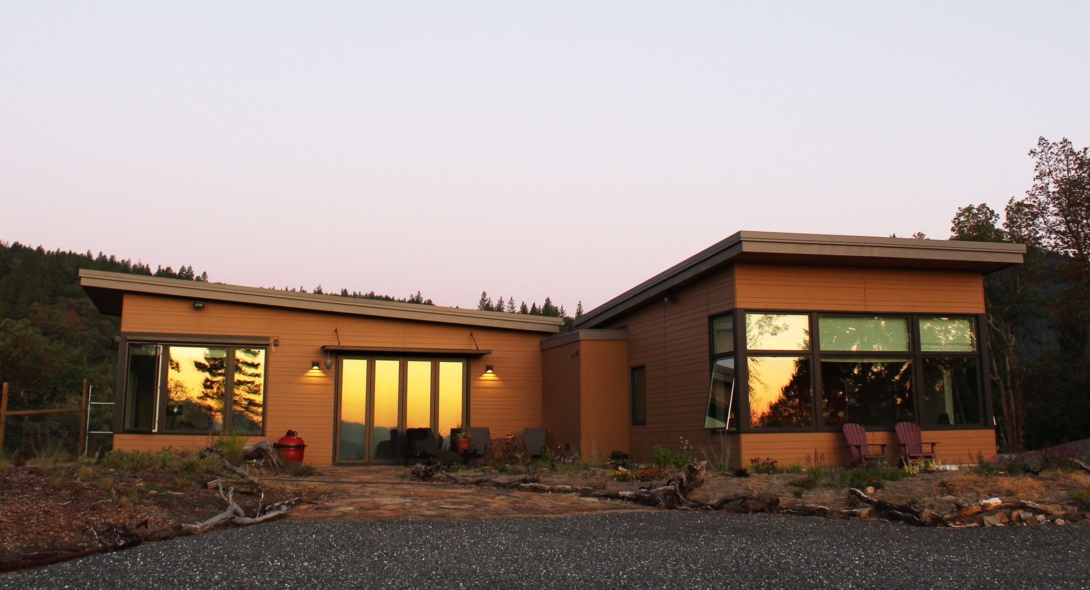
(957,447)
(671,340)
(302,399)
(561,391)
(606,407)
(858,289)
(586,403)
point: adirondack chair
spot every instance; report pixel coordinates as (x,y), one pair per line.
(860,448)
(908,434)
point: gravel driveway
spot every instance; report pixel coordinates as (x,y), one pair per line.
(639,550)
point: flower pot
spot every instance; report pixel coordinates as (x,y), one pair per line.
(461,445)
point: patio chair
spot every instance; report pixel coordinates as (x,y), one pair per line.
(860,448)
(478,438)
(534,440)
(909,435)
(424,444)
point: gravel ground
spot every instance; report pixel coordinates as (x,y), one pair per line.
(643,550)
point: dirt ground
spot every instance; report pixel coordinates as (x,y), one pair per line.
(51,510)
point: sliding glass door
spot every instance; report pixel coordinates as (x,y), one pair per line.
(379,399)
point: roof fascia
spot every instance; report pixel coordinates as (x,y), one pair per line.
(775,247)
(102,285)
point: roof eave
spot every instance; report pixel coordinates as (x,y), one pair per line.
(106,290)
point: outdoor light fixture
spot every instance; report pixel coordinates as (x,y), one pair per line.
(328,360)
(198,304)
(314,366)
(488,370)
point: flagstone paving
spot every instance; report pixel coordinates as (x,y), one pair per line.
(387,493)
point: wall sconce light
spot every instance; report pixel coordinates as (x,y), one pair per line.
(328,360)
(314,366)
(488,370)
(198,304)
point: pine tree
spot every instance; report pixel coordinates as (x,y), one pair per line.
(485,304)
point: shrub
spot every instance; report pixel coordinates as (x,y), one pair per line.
(811,480)
(664,457)
(1081,498)
(231,444)
(757,465)
(871,477)
(985,467)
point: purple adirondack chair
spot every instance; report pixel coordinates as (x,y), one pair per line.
(909,435)
(861,449)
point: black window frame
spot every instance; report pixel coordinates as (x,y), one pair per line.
(230,343)
(742,354)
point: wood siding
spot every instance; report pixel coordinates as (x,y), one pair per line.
(956,447)
(606,407)
(301,399)
(824,288)
(561,391)
(671,340)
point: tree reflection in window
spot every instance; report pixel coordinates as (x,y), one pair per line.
(868,391)
(772,331)
(249,390)
(780,392)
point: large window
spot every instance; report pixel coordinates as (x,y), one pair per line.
(186,388)
(803,371)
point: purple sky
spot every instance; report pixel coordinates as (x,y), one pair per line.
(558,149)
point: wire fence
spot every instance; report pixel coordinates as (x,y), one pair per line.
(84,427)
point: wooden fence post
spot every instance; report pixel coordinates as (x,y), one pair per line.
(84,407)
(3,412)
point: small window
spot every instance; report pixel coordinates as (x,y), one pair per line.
(948,334)
(777,331)
(723,335)
(639,396)
(863,334)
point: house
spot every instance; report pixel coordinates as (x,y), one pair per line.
(760,347)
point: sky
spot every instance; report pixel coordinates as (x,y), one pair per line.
(568,150)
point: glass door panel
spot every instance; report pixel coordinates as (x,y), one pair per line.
(418,395)
(451,388)
(353,418)
(387,389)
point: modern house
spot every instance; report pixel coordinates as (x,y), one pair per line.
(760,347)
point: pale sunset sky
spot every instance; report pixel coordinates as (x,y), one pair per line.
(562,149)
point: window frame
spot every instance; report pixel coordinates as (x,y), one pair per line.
(915,354)
(230,343)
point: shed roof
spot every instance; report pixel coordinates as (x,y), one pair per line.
(106,290)
(815,249)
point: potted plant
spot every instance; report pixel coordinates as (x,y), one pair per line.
(461,440)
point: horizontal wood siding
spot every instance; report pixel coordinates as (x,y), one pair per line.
(824,288)
(956,447)
(962,447)
(671,340)
(561,393)
(606,398)
(302,399)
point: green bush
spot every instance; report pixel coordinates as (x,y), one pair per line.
(1081,498)
(871,477)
